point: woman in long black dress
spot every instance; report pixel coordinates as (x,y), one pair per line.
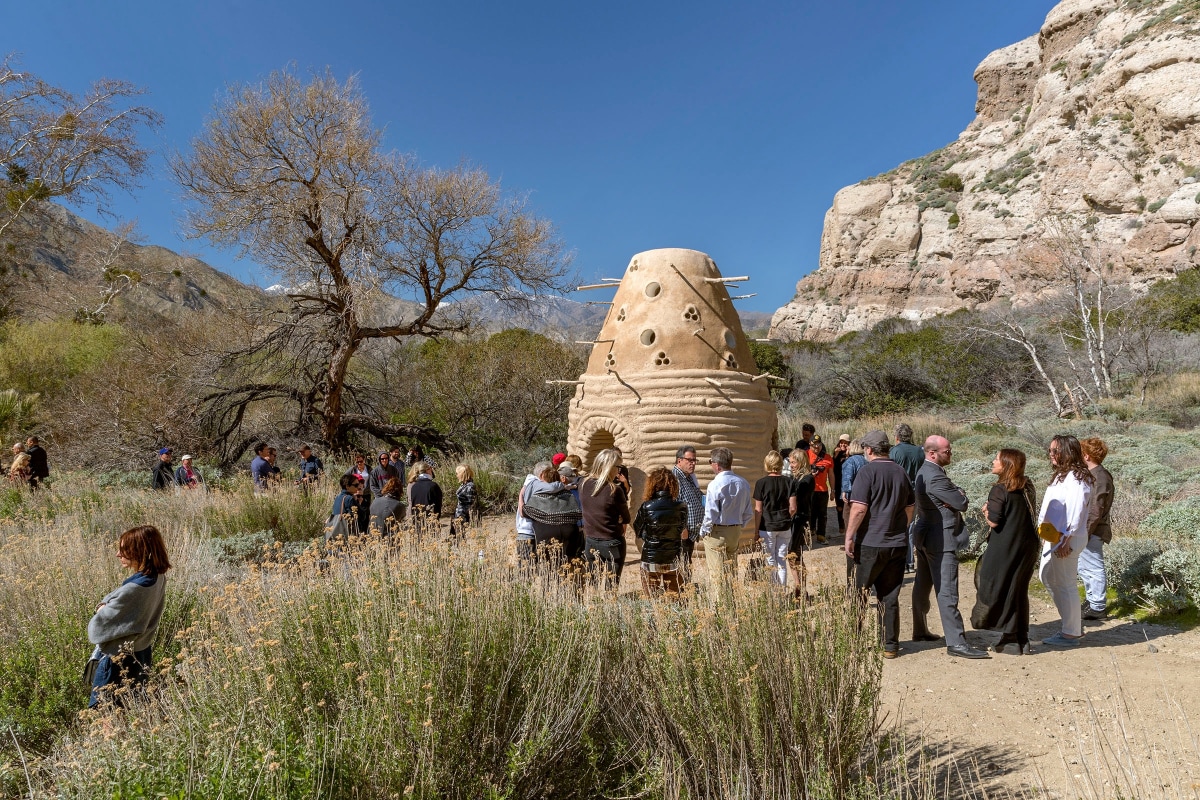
(1003,574)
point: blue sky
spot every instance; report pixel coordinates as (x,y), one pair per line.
(722,127)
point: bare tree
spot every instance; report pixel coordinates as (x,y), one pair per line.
(1007,325)
(294,175)
(55,144)
(1095,300)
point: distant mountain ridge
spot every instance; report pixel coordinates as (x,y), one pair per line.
(66,257)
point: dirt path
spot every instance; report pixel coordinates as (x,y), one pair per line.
(1119,715)
(1019,721)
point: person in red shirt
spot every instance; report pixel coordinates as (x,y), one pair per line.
(822,471)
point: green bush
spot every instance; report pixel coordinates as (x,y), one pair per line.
(1177,580)
(1174,521)
(1128,564)
(951,181)
(290,514)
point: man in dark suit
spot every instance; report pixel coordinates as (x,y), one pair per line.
(39,467)
(937,534)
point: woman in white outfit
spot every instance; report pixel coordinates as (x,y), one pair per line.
(1065,506)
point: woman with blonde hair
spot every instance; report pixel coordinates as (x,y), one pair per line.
(466,499)
(20,470)
(774,509)
(605,515)
(660,525)
(1006,566)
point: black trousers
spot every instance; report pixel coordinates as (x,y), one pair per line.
(606,555)
(819,513)
(882,569)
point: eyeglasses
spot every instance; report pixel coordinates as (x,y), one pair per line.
(691,460)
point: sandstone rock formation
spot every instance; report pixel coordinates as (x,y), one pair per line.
(1096,117)
(672,366)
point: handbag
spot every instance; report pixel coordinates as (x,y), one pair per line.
(1045,531)
(1048,533)
(89,672)
(336,528)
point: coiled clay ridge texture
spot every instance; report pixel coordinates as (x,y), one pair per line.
(671,366)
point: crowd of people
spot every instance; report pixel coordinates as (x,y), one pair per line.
(895,506)
(395,491)
(30,466)
(897,509)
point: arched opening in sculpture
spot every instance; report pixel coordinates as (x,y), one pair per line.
(601,439)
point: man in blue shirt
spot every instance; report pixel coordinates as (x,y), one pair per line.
(260,468)
(728,508)
(311,467)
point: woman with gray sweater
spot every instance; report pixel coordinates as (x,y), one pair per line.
(126,620)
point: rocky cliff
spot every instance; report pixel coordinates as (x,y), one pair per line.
(1096,117)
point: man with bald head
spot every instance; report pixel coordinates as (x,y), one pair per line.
(938,533)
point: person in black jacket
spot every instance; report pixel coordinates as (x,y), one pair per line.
(424,498)
(802,491)
(162,475)
(39,467)
(660,525)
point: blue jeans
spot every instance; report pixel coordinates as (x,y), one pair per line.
(1091,570)
(125,669)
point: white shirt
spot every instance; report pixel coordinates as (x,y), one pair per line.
(1065,506)
(525,524)
(728,501)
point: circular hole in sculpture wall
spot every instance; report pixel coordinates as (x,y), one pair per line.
(730,340)
(648,337)
(653,290)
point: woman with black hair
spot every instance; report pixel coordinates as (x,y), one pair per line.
(1004,570)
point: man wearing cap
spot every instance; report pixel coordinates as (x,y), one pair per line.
(187,476)
(840,454)
(881,509)
(311,467)
(937,534)
(162,475)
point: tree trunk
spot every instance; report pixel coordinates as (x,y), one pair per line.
(332,431)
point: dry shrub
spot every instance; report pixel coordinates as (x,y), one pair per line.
(401,666)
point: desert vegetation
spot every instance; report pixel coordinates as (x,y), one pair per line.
(407,668)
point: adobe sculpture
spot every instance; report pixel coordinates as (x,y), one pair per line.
(672,366)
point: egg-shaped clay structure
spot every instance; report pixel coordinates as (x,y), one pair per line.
(671,366)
